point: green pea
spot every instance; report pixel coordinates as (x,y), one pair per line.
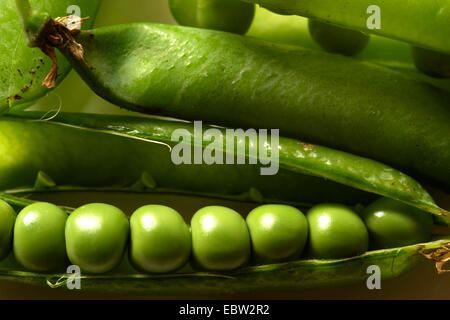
(337,39)
(278,232)
(220,238)
(336,231)
(7,219)
(96,237)
(394,224)
(39,243)
(160,239)
(432,63)
(226,15)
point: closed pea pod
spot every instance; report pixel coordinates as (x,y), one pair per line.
(278,232)
(96,237)
(7,219)
(220,238)
(336,232)
(160,239)
(39,243)
(225,15)
(393,224)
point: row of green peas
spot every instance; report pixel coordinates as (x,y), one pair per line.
(95,236)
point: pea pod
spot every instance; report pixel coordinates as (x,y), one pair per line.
(232,80)
(294,157)
(398,20)
(93,152)
(293,30)
(295,275)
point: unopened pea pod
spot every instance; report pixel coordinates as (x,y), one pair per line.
(394,19)
(293,156)
(293,275)
(232,80)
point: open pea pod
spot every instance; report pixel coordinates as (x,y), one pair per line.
(292,156)
(296,275)
(22,69)
(397,19)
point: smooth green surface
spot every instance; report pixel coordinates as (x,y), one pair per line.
(39,244)
(224,15)
(7,219)
(160,240)
(96,237)
(336,231)
(336,39)
(293,30)
(278,232)
(22,69)
(294,157)
(220,239)
(91,151)
(432,63)
(284,277)
(393,224)
(233,80)
(424,23)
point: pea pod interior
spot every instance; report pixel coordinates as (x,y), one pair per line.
(296,275)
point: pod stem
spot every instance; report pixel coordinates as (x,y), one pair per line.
(47,34)
(440,256)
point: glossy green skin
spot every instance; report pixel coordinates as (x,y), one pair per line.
(293,30)
(96,237)
(7,219)
(336,39)
(293,275)
(220,239)
(278,232)
(232,80)
(432,63)
(336,231)
(301,163)
(82,159)
(224,15)
(160,239)
(393,224)
(22,69)
(398,21)
(39,243)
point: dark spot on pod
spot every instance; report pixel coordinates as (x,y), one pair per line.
(17,97)
(91,35)
(25,89)
(20,72)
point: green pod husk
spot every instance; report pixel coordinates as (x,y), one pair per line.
(398,19)
(232,80)
(287,276)
(300,163)
(293,30)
